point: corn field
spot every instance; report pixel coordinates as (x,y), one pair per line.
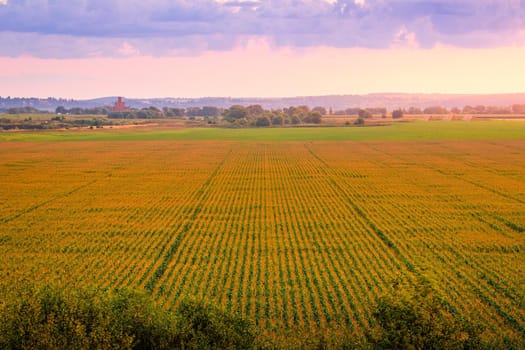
(294,235)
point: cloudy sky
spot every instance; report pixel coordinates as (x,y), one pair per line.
(187,48)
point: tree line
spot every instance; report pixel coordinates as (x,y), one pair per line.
(479,109)
(83,111)
(153,112)
(236,115)
(24,110)
(255,115)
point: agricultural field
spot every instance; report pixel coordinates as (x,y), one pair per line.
(301,231)
(420,130)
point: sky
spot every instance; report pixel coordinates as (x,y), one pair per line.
(259,48)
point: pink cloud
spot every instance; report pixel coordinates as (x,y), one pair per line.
(78,28)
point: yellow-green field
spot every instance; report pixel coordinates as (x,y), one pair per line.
(299,236)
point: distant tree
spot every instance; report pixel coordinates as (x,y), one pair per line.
(60,110)
(235,113)
(263,120)
(299,111)
(302,110)
(24,110)
(116,115)
(435,110)
(313,118)
(359,121)
(76,111)
(377,110)
(254,110)
(414,110)
(468,110)
(316,117)
(277,119)
(295,119)
(363,113)
(289,111)
(518,108)
(320,110)
(142,114)
(398,113)
(167,112)
(479,109)
(193,111)
(179,112)
(208,111)
(455,110)
(153,112)
(352,111)
(498,110)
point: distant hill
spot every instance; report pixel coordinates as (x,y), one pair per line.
(336,102)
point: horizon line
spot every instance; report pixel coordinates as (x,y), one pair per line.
(265,97)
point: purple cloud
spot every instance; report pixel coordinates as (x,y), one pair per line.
(81,28)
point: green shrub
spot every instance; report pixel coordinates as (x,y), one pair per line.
(359,121)
(51,318)
(263,121)
(202,326)
(398,113)
(417,318)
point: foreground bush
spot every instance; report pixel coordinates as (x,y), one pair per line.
(417,318)
(411,317)
(202,326)
(49,318)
